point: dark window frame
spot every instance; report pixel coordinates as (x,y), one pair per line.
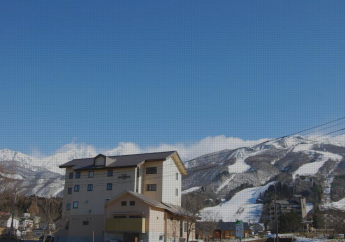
(176,176)
(176,191)
(149,187)
(70,175)
(75,202)
(89,186)
(123,203)
(91,172)
(77,174)
(110,173)
(69,190)
(68,206)
(111,186)
(76,188)
(151,170)
(131,203)
(85,222)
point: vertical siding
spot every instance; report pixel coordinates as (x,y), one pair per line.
(170,183)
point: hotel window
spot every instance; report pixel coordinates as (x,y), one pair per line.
(109,186)
(76,188)
(85,222)
(90,187)
(176,192)
(151,170)
(70,190)
(110,173)
(123,203)
(71,175)
(131,203)
(176,176)
(151,187)
(68,206)
(90,174)
(77,174)
(75,204)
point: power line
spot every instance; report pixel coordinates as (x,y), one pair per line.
(325,128)
(330,132)
(302,131)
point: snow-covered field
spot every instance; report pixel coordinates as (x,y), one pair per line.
(312,168)
(192,189)
(335,205)
(240,165)
(241,207)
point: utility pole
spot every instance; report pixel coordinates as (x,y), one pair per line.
(14,202)
(275,211)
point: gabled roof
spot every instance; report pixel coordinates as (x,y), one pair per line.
(167,206)
(122,161)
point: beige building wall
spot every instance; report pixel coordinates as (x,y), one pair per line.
(91,203)
(140,208)
(153,179)
(172,183)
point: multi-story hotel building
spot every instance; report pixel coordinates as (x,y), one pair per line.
(296,204)
(124,198)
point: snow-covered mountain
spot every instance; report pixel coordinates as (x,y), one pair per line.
(289,158)
(41,176)
(295,160)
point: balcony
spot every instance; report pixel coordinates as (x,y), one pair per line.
(133,225)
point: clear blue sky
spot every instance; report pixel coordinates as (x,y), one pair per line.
(155,72)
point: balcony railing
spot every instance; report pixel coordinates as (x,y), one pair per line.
(135,225)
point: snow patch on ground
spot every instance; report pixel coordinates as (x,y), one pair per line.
(241,207)
(312,168)
(192,189)
(309,207)
(302,147)
(335,205)
(240,166)
(12,176)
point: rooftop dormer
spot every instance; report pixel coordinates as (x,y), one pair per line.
(102,160)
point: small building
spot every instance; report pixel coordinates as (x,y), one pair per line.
(26,224)
(132,216)
(258,228)
(6,220)
(224,230)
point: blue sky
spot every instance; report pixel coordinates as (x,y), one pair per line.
(166,72)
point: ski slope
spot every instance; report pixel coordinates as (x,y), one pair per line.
(312,168)
(192,189)
(241,207)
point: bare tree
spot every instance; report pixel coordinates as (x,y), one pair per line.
(336,224)
(174,229)
(209,225)
(191,208)
(51,216)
